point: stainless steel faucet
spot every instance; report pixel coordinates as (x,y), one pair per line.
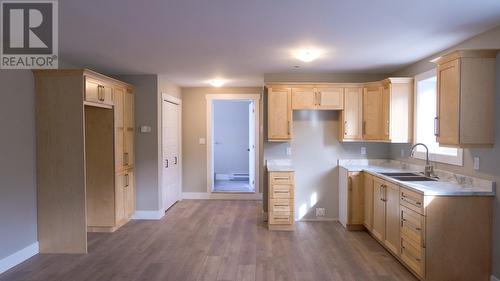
(428,168)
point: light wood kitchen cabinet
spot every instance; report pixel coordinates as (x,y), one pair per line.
(397,116)
(304,98)
(279,114)
(373,113)
(368,201)
(318,98)
(330,98)
(78,139)
(351,118)
(98,92)
(281,201)
(392,218)
(378,228)
(119,129)
(129,194)
(466,98)
(351,199)
(129,130)
(355,199)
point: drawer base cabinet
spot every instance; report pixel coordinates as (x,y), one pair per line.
(281,201)
(437,238)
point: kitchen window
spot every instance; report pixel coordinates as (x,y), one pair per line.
(425,112)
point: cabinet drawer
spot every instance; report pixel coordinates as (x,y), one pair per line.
(412,200)
(413,256)
(413,226)
(284,191)
(281,178)
(281,218)
(281,205)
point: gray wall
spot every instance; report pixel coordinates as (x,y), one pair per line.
(489,157)
(315,151)
(148,89)
(231,136)
(18,216)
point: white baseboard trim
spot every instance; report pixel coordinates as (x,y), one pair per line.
(319,219)
(493,278)
(222,196)
(18,257)
(148,215)
(222,177)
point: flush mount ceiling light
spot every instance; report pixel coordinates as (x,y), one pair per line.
(307,55)
(217,82)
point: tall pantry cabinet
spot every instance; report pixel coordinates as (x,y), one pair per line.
(85,157)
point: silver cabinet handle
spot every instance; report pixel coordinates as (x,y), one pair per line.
(166,163)
(345,128)
(436,126)
(175,160)
(125,158)
(126,180)
(319,98)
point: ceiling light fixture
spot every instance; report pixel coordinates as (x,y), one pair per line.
(307,55)
(217,82)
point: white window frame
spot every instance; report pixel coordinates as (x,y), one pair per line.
(434,157)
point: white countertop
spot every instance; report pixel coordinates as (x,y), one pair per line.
(279,165)
(445,186)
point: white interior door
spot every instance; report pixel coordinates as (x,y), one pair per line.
(170,150)
(251,145)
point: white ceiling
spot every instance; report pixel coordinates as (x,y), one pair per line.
(192,41)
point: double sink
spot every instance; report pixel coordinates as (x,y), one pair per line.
(405,176)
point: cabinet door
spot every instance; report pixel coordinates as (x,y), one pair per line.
(92,90)
(352,116)
(119,197)
(129,194)
(107,95)
(355,199)
(330,98)
(119,131)
(368,200)
(129,130)
(378,229)
(304,98)
(386,112)
(373,128)
(448,76)
(279,114)
(128,107)
(393,216)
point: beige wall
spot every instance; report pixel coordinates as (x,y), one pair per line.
(194,127)
(489,168)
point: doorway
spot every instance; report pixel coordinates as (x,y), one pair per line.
(233,144)
(171,158)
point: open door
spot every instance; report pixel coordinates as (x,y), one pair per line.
(251,145)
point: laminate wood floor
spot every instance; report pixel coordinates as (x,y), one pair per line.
(219,240)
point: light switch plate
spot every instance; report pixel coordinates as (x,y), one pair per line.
(363,150)
(476,163)
(201,141)
(145,129)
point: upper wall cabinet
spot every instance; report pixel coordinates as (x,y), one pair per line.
(376,111)
(351,118)
(322,97)
(279,114)
(98,91)
(466,98)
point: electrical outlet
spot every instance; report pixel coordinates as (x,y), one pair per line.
(320,212)
(145,129)
(476,163)
(363,150)
(202,141)
(288,151)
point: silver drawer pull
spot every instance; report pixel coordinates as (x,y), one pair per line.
(281,205)
(281,178)
(281,191)
(411,225)
(410,255)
